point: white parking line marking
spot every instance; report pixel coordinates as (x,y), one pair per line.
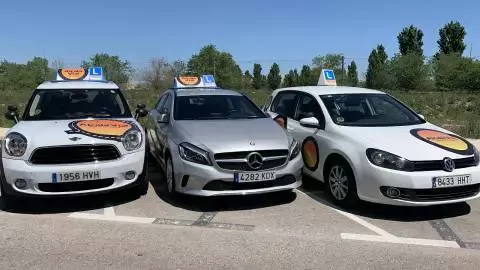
(400,240)
(383,236)
(109,211)
(142,220)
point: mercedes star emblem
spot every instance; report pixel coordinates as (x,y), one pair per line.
(255,160)
(448,164)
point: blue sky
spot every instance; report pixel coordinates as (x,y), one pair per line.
(289,32)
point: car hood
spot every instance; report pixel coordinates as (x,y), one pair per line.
(74,132)
(233,135)
(400,141)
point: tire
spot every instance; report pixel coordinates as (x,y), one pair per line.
(142,187)
(340,183)
(7,201)
(169,178)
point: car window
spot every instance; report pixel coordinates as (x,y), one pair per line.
(206,107)
(309,107)
(369,110)
(58,104)
(285,103)
(160,102)
(167,105)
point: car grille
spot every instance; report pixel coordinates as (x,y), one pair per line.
(220,185)
(237,161)
(74,154)
(75,186)
(437,194)
(437,165)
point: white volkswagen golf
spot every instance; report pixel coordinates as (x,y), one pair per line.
(365,144)
(76,136)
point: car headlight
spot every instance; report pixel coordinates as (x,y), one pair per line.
(388,160)
(476,156)
(294,149)
(132,140)
(192,153)
(15,144)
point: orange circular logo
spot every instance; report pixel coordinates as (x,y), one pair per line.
(189,80)
(443,140)
(104,129)
(310,153)
(73,73)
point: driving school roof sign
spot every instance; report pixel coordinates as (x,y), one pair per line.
(79,74)
(204,81)
(327,77)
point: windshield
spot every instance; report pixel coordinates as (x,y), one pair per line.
(209,107)
(368,110)
(61,104)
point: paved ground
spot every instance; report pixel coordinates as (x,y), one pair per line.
(298,230)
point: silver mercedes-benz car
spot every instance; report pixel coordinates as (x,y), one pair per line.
(212,142)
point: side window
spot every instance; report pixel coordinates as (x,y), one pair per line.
(285,103)
(309,107)
(167,105)
(267,104)
(160,102)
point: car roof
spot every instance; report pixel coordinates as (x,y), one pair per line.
(330,90)
(78,85)
(206,92)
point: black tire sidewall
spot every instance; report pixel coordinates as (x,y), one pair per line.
(173,192)
(352,198)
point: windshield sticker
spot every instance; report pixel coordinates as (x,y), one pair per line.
(310,153)
(281,120)
(72,73)
(340,119)
(102,129)
(448,142)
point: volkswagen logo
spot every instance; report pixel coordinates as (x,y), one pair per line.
(448,164)
(255,160)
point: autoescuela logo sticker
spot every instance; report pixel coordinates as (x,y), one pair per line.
(448,142)
(310,153)
(189,80)
(72,73)
(102,129)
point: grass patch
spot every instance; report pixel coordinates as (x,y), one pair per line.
(458,112)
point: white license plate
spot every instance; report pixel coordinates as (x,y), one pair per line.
(451,181)
(242,177)
(75,176)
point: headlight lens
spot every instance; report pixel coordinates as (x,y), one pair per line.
(476,156)
(15,144)
(132,140)
(294,149)
(388,160)
(190,152)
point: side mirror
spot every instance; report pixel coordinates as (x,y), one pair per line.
(141,106)
(421,116)
(163,118)
(310,122)
(12,113)
(141,111)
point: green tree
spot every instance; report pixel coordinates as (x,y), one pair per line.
(221,64)
(352,74)
(116,69)
(306,76)
(291,78)
(257,76)
(179,67)
(378,76)
(455,72)
(451,38)
(159,75)
(38,70)
(247,80)
(274,78)
(332,61)
(410,72)
(410,40)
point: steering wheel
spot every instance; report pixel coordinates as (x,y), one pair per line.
(105,110)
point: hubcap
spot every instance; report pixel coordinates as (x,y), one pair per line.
(169,176)
(338,182)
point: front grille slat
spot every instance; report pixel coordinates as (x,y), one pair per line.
(437,165)
(76,186)
(439,194)
(237,161)
(74,154)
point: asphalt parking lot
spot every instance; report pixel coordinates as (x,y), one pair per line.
(303,213)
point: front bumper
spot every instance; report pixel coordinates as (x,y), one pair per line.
(201,180)
(416,187)
(40,183)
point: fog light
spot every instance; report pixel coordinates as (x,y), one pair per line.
(20,183)
(392,192)
(130,175)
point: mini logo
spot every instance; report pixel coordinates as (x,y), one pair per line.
(448,164)
(75,139)
(255,160)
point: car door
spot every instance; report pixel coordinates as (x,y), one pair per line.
(284,104)
(152,125)
(163,127)
(312,138)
